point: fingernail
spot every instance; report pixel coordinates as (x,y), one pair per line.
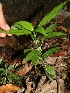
(7,27)
(9,34)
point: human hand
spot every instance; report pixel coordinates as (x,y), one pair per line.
(3,24)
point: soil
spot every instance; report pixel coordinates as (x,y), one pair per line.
(16,10)
(12,53)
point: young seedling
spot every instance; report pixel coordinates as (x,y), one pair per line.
(35,53)
(6,76)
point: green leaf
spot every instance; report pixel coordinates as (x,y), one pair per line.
(50,28)
(0,60)
(35,60)
(51,14)
(34,56)
(40,30)
(2,69)
(4,80)
(6,66)
(24,24)
(12,76)
(27,50)
(53,34)
(18,32)
(17,26)
(31,55)
(10,67)
(50,71)
(2,31)
(50,52)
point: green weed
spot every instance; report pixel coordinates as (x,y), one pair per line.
(35,54)
(6,76)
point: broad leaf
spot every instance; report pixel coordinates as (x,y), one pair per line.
(35,60)
(40,30)
(18,32)
(51,14)
(50,52)
(34,56)
(17,26)
(53,34)
(24,24)
(50,28)
(31,55)
(50,71)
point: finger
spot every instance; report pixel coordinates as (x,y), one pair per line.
(3,24)
(2,34)
(9,34)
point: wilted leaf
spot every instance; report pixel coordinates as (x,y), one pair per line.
(59,53)
(51,15)
(24,70)
(8,88)
(64,29)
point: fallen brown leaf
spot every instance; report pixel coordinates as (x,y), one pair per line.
(8,88)
(59,53)
(24,70)
(64,29)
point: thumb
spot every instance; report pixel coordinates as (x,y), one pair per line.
(3,24)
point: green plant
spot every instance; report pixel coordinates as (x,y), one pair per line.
(35,54)
(6,76)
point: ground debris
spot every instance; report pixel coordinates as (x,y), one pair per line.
(8,88)
(52,87)
(24,70)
